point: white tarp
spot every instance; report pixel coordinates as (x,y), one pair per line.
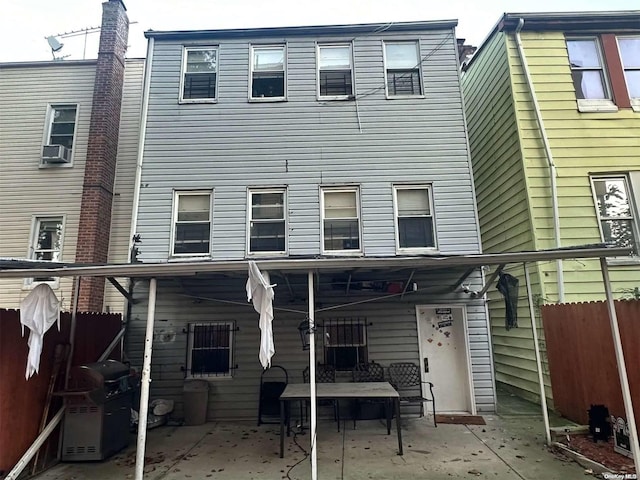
(260,291)
(38,312)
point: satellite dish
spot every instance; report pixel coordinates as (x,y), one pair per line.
(55,45)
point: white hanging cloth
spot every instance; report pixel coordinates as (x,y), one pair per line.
(260,291)
(38,312)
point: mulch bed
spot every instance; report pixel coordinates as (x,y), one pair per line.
(601,452)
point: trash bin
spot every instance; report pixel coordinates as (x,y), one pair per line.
(195,396)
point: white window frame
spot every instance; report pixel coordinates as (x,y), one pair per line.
(252,49)
(345,252)
(633,203)
(396,218)
(190,339)
(36,221)
(46,140)
(174,218)
(635,101)
(183,73)
(320,46)
(420,74)
(593,104)
(250,220)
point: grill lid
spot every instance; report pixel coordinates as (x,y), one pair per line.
(99,374)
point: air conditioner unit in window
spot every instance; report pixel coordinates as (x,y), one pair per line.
(56,154)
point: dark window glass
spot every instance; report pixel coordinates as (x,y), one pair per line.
(211,349)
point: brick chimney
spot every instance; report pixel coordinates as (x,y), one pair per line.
(99,176)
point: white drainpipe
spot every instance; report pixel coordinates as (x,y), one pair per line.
(141,140)
(549,155)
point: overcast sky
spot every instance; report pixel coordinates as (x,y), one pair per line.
(24,24)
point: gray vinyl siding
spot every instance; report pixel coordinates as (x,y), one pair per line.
(304,144)
(125,176)
(26,190)
(392,337)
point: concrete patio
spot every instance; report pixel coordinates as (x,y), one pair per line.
(509,446)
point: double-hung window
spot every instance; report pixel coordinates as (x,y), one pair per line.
(210,349)
(46,243)
(199,74)
(268,72)
(345,342)
(191,224)
(402,69)
(341,220)
(414,219)
(267,221)
(618,223)
(588,74)
(335,71)
(630,56)
(60,134)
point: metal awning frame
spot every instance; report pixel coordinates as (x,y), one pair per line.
(311,265)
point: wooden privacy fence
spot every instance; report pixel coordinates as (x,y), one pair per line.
(22,401)
(582,360)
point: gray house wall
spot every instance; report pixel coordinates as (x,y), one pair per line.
(391,337)
(304,143)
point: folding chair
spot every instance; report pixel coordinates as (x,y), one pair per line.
(366,372)
(273,381)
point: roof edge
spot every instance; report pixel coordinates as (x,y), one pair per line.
(363,28)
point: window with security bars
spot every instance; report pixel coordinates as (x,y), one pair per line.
(63,125)
(402,69)
(341,220)
(345,342)
(335,77)
(192,223)
(618,222)
(268,72)
(267,223)
(414,221)
(210,349)
(200,73)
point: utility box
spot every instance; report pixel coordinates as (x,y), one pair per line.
(195,397)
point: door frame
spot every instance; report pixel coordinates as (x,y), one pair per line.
(467,351)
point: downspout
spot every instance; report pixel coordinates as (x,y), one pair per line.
(549,155)
(141,140)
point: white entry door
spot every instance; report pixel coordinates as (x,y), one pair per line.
(444,356)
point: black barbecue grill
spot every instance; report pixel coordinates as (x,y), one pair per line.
(98,411)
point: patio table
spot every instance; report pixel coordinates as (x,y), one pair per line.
(337,391)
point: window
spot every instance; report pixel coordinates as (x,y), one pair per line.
(345,342)
(414,218)
(615,211)
(402,69)
(199,74)
(46,243)
(192,223)
(267,223)
(630,56)
(62,125)
(268,72)
(587,71)
(341,222)
(335,78)
(210,349)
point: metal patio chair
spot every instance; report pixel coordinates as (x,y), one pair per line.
(366,372)
(405,378)
(324,374)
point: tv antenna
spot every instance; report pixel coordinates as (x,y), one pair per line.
(56,45)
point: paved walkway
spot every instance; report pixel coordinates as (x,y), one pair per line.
(508,447)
